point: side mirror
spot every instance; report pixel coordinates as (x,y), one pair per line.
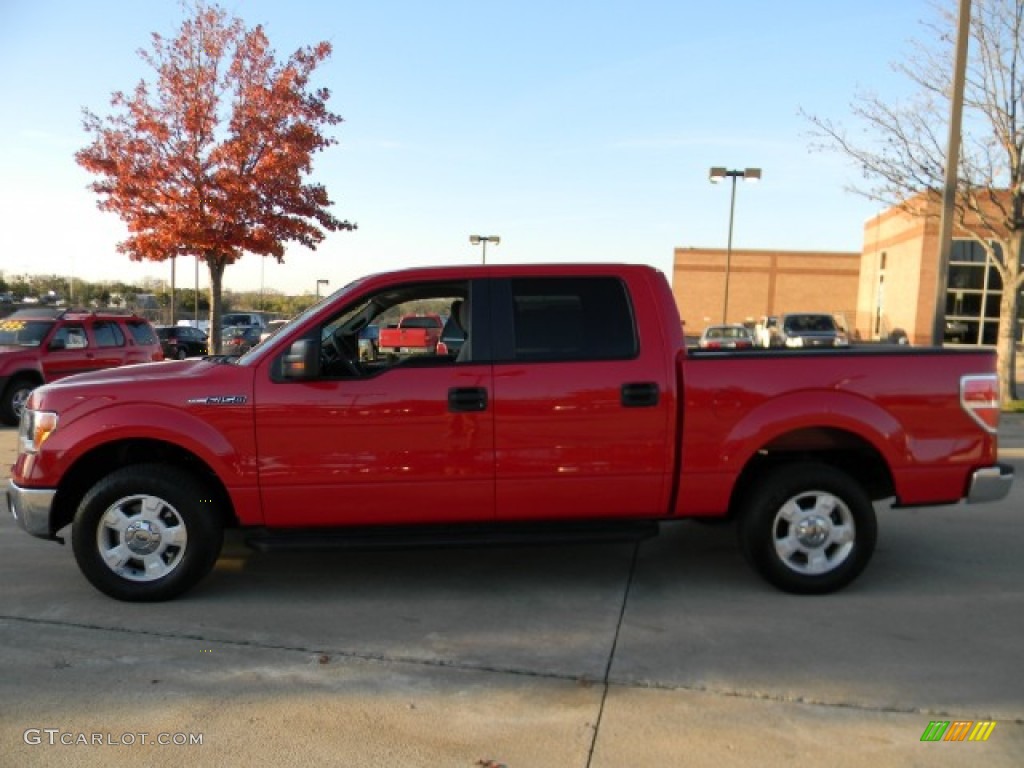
(302,360)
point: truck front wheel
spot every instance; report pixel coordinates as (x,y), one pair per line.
(807,528)
(147,532)
(13,399)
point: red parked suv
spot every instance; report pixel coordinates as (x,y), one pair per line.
(41,345)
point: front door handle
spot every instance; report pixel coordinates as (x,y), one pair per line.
(467,399)
(642,394)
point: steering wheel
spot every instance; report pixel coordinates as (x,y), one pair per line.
(332,354)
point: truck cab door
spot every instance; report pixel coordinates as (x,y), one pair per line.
(583,416)
(403,440)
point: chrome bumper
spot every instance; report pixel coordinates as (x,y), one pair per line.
(31,508)
(990,484)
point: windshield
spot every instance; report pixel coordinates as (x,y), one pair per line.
(810,323)
(23,333)
(256,353)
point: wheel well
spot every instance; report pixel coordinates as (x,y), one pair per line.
(32,377)
(26,375)
(843,450)
(88,470)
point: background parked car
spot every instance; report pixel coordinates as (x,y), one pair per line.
(43,344)
(803,330)
(181,341)
(273,326)
(726,337)
(766,332)
(239,339)
(246,317)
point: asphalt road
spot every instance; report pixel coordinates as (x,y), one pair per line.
(667,653)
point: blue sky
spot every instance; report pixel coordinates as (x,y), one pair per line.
(575,131)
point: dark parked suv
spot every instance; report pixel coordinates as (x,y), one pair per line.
(181,341)
(809,330)
(44,344)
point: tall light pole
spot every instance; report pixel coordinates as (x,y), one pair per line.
(716,175)
(956,108)
(318,284)
(485,239)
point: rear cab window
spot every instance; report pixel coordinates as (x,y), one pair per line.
(107,334)
(566,319)
(142,332)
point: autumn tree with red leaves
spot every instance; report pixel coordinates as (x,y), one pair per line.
(211,161)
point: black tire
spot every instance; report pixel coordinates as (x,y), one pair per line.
(147,532)
(13,399)
(807,528)
(181,354)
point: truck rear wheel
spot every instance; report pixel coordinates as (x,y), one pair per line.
(147,532)
(807,528)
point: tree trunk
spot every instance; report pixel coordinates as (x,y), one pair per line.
(1006,343)
(216,264)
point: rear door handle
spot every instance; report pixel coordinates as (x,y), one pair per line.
(467,399)
(640,394)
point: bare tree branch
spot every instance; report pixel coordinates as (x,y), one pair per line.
(901,155)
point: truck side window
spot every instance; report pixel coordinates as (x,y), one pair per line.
(107,335)
(572,319)
(143,333)
(73,337)
(400,326)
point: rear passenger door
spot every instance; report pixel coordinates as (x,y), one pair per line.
(110,344)
(580,420)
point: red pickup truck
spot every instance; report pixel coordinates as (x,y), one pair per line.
(574,410)
(414,334)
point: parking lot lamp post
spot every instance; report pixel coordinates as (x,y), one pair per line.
(715,175)
(318,284)
(484,239)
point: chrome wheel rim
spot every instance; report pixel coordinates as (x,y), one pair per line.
(19,400)
(813,533)
(141,538)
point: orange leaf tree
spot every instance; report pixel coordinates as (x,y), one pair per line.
(211,160)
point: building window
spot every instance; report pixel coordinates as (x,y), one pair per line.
(973,291)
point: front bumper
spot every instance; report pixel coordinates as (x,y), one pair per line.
(31,508)
(990,484)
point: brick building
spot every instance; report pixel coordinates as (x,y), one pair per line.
(898,275)
(763,283)
(888,287)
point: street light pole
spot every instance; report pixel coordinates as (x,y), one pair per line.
(485,239)
(715,175)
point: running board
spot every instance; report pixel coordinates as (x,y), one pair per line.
(435,536)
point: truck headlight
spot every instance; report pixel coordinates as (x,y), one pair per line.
(34,428)
(795,341)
